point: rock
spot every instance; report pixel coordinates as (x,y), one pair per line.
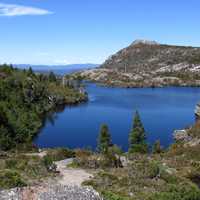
(52,192)
(70,193)
(197,110)
(193,142)
(182,135)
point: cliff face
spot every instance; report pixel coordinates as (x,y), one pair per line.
(147,63)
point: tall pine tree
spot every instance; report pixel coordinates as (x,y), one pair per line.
(104,140)
(137,137)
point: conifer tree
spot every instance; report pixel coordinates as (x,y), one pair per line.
(137,137)
(157,147)
(104,140)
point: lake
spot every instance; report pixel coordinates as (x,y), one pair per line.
(162,110)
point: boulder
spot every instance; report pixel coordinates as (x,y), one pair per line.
(182,135)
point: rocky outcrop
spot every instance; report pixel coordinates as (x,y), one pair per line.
(182,135)
(110,77)
(70,193)
(53,192)
(197,110)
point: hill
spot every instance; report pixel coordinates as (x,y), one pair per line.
(57,69)
(148,63)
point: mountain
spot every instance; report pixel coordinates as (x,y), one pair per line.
(145,56)
(148,63)
(58,69)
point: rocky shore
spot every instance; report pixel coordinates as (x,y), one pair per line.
(114,78)
(187,136)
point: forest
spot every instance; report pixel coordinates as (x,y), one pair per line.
(25,97)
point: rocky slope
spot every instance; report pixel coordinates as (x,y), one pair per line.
(147,63)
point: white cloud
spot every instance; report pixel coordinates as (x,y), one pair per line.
(18,10)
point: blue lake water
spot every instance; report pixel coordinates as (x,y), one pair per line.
(162,111)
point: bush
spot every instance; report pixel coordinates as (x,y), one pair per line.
(49,164)
(153,169)
(111,196)
(10,179)
(178,192)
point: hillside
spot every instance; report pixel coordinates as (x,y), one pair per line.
(148,63)
(25,97)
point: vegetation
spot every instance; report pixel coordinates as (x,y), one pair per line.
(18,169)
(137,136)
(60,154)
(104,140)
(157,147)
(24,99)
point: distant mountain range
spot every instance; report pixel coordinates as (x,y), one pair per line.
(58,69)
(147,63)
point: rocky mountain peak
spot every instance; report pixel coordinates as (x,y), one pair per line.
(146,42)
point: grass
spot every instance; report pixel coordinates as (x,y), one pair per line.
(18,170)
(171,175)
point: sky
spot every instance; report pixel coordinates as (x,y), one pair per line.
(57,32)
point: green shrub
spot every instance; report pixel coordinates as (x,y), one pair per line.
(178,192)
(11,163)
(48,163)
(169,178)
(111,196)
(153,169)
(10,179)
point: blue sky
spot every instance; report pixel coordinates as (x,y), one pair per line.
(88,31)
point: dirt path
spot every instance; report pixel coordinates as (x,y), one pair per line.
(66,186)
(70,176)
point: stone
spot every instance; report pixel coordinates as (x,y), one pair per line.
(181,135)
